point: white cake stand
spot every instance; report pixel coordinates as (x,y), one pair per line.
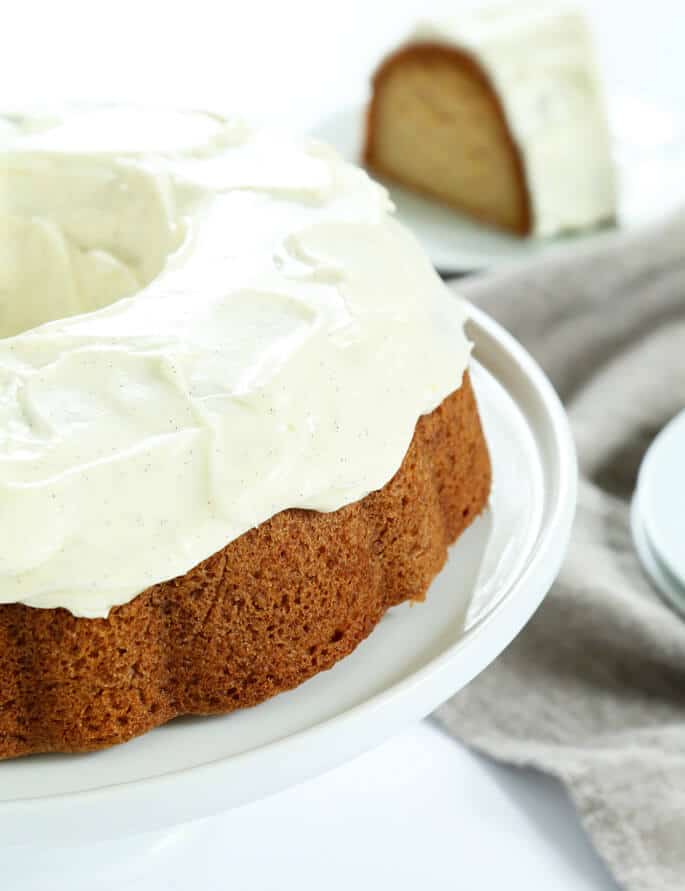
(420,655)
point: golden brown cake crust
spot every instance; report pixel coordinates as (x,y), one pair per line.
(281,603)
(428,53)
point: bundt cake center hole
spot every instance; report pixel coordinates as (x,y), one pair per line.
(78,235)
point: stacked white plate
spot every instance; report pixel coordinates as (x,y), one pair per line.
(658,512)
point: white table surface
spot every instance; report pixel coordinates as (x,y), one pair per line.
(420,811)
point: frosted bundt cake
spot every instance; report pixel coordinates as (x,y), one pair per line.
(499,113)
(236,421)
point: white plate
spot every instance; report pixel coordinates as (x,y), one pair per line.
(649,149)
(496,576)
(659,507)
(662,579)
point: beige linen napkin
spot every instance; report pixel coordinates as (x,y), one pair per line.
(593,690)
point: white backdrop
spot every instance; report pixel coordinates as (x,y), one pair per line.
(295,61)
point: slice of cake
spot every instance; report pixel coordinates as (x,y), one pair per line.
(498,113)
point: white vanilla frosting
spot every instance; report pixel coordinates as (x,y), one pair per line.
(239,327)
(539,56)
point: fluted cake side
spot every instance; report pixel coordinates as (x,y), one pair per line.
(281,603)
